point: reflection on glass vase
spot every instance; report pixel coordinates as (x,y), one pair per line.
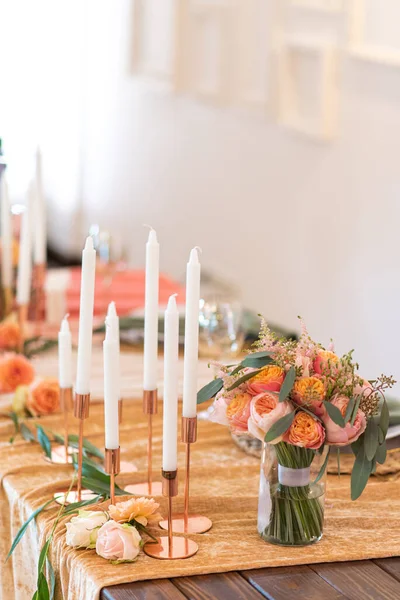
(291,497)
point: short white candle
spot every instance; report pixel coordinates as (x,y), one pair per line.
(6,235)
(86,318)
(65,355)
(24,276)
(151,313)
(171,360)
(191,353)
(111,387)
(39,245)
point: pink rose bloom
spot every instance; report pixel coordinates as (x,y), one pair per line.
(233,412)
(116,541)
(343,436)
(265,410)
(218,414)
(305,363)
(326,362)
(269,379)
(363,390)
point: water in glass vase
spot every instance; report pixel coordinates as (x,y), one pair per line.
(291,503)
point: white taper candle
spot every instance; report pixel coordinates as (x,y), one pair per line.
(191,336)
(65,355)
(111,387)
(151,313)
(6,235)
(24,276)
(39,212)
(86,318)
(171,361)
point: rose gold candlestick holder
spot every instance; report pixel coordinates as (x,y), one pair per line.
(63,454)
(185,522)
(8,300)
(39,277)
(170,547)
(150,487)
(112,467)
(22,322)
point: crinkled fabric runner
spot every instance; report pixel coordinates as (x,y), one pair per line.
(224,486)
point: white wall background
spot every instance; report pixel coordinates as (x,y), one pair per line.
(304,228)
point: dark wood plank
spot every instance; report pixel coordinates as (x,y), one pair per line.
(287,583)
(156,589)
(390,565)
(360,579)
(219,586)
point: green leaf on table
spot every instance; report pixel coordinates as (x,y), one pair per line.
(349,410)
(52,578)
(384,418)
(279,427)
(26,433)
(323,468)
(334,414)
(360,474)
(73,441)
(24,527)
(210,390)
(42,592)
(91,471)
(287,384)
(14,418)
(381,453)
(43,555)
(75,506)
(243,379)
(102,488)
(43,440)
(371,439)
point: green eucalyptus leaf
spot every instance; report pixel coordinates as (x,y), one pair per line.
(52,578)
(381,435)
(43,555)
(334,414)
(323,468)
(355,446)
(43,592)
(43,440)
(210,390)
(360,474)
(381,453)
(73,441)
(24,527)
(355,410)
(26,433)
(279,427)
(384,418)
(255,362)
(371,439)
(349,410)
(243,379)
(88,470)
(287,384)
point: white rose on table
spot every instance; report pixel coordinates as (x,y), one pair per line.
(82,530)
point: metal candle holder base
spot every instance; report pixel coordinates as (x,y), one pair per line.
(149,487)
(170,547)
(185,522)
(112,468)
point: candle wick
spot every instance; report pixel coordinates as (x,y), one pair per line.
(198,249)
(149,226)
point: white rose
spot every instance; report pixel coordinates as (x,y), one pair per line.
(82,530)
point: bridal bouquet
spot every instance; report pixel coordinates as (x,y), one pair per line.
(302,400)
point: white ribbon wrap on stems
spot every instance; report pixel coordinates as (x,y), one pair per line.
(293,477)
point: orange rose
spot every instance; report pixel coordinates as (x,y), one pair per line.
(305,431)
(15,370)
(238,413)
(10,335)
(270,379)
(142,510)
(326,362)
(44,397)
(310,391)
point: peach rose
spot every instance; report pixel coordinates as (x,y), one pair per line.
(305,431)
(142,510)
(325,363)
(343,436)
(10,335)
(116,541)
(44,397)
(310,392)
(15,370)
(238,413)
(270,379)
(363,389)
(265,410)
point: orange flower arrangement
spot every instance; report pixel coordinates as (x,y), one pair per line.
(44,397)
(142,510)
(305,431)
(10,335)
(270,379)
(15,370)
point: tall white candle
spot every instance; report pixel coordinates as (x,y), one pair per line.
(112,321)
(86,318)
(24,276)
(65,355)
(111,386)
(170,414)
(151,312)
(39,245)
(191,335)
(6,235)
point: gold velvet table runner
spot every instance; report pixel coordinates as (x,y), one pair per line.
(224,486)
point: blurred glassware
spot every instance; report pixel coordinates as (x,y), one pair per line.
(221,327)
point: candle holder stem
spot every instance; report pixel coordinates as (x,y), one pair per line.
(81,411)
(8,300)
(39,276)
(80,460)
(62,454)
(112,465)
(187,482)
(170,547)
(150,452)
(22,321)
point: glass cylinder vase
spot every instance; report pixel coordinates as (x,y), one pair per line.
(291,496)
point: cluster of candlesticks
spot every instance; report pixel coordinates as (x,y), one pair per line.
(169,546)
(32,240)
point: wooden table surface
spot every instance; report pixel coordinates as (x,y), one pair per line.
(359,580)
